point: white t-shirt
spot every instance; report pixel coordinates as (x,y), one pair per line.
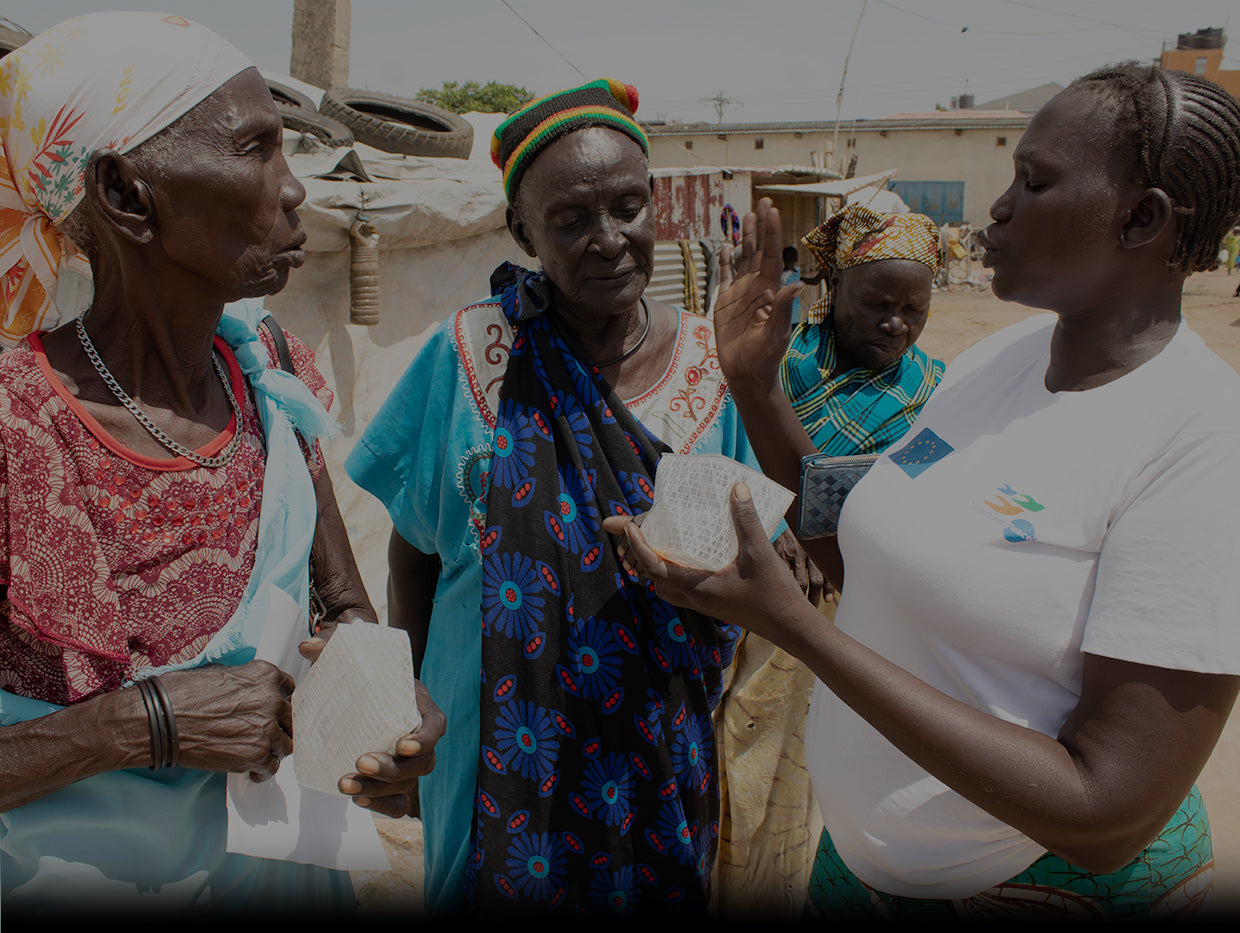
(1011,530)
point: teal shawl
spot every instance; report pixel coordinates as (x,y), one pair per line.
(859,411)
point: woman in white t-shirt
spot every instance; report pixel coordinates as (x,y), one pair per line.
(1036,650)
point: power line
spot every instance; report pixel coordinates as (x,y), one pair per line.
(1088,19)
(541,36)
(936,83)
(839,98)
(645,127)
(964,27)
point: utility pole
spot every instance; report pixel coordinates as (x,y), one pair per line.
(321,42)
(839,98)
(719,101)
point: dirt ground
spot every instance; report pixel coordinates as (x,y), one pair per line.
(960,316)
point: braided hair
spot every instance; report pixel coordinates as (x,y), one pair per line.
(1183,134)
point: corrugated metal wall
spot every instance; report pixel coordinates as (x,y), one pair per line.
(688,207)
(680,274)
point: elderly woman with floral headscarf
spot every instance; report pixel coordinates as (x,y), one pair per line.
(856,381)
(161,488)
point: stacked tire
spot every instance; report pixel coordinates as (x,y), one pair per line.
(399,124)
(394,124)
(301,114)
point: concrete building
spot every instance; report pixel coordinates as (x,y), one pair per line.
(1029,101)
(773,144)
(1201,53)
(949,164)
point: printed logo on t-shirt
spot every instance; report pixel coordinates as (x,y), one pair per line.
(1012,509)
(922,452)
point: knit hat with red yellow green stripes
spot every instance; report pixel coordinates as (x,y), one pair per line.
(525,133)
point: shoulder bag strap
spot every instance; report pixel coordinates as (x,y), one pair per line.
(277,337)
(318,609)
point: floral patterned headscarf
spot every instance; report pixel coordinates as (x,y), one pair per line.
(858,235)
(111,80)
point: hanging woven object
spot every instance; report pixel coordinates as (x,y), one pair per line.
(692,300)
(364,273)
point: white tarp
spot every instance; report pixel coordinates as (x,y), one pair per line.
(413,201)
(442,230)
(838,187)
(879,199)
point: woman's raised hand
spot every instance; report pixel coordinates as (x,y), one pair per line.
(753,313)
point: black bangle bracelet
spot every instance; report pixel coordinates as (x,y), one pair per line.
(173,751)
(154,722)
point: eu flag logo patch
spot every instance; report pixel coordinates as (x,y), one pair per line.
(921,452)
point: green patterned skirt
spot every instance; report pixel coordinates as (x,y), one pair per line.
(1170,878)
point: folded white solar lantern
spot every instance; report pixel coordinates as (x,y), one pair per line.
(358,697)
(691,522)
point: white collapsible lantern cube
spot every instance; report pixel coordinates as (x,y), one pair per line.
(358,697)
(690,521)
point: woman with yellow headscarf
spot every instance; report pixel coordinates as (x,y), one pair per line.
(852,372)
(856,381)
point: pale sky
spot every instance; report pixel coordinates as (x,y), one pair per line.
(773,60)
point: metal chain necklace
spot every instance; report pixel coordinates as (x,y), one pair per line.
(176,447)
(633,349)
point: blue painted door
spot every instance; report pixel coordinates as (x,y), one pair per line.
(941,201)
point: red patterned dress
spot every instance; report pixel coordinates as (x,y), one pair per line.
(113,561)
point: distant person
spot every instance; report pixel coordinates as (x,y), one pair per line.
(1036,647)
(1232,245)
(792,273)
(856,380)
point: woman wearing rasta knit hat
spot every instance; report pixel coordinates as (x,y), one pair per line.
(605,102)
(592,789)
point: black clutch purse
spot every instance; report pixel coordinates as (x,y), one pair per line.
(825,483)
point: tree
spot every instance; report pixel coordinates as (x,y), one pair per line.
(471,96)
